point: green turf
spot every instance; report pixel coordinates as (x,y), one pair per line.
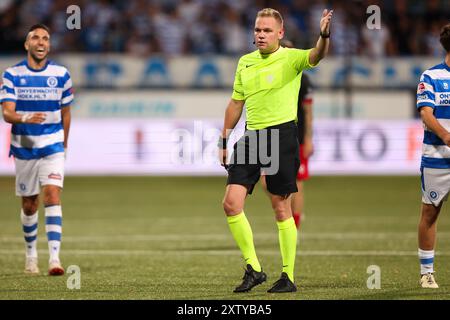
(167,238)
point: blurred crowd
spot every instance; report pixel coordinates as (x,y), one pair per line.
(179,27)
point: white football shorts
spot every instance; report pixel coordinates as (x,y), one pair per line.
(435,185)
(31,174)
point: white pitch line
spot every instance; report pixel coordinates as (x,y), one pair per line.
(226,237)
(226,252)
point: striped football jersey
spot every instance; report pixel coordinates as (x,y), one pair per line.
(46,90)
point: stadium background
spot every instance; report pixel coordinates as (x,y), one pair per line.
(143,188)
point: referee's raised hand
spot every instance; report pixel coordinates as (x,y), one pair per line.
(325,21)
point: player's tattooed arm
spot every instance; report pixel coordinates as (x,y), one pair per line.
(66,118)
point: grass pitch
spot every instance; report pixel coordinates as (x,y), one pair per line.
(167,238)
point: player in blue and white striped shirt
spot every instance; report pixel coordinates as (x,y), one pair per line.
(433,103)
(36,98)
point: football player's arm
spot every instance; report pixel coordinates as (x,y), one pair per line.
(321,49)
(66,102)
(11,116)
(232,116)
(66,117)
(308,145)
(428,118)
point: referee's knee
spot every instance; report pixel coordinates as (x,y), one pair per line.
(282,211)
(231,207)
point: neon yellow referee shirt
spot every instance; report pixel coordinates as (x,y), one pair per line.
(269,84)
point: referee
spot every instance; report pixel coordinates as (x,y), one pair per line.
(267,81)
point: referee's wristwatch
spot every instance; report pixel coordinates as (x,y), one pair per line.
(222,143)
(325,35)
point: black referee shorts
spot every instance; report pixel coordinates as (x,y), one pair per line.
(273,151)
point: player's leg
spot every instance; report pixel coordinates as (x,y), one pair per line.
(241,180)
(51,175)
(427,226)
(287,236)
(27,187)
(53,226)
(435,189)
(233,205)
(297,204)
(29,219)
(427,240)
(281,184)
(298,198)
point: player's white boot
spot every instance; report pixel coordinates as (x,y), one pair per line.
(31,265)
(55,268)
(427,281)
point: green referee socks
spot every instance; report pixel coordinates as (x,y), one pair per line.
(287,234)
(242,234)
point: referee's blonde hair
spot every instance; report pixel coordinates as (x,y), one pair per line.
(269,12)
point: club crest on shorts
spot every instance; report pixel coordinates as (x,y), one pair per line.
(433,194)
(22,186)
(55,176)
